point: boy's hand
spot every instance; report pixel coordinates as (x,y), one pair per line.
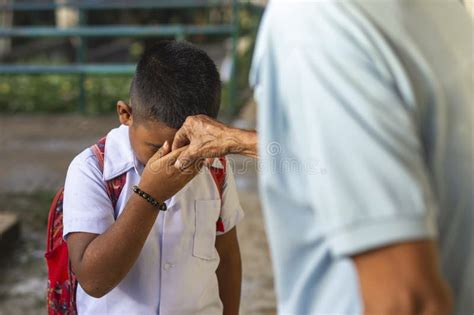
(161,179)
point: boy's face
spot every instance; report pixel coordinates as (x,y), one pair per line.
(146,137)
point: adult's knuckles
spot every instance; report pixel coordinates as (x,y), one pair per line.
(190,121)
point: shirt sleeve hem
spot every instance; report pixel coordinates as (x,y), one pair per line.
(360,238)
(87,227)
(231,221)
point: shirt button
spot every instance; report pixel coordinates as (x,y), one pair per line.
(167,266)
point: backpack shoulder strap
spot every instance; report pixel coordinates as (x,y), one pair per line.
(99,151)
(115,185)
(219,176)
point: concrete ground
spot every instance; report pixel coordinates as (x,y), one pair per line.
(35,153)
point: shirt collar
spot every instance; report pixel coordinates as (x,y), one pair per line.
(118,156)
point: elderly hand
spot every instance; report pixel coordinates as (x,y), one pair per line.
(208,138)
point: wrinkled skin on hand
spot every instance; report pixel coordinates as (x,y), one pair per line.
(207,138)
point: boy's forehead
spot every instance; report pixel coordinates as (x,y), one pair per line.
(154,132)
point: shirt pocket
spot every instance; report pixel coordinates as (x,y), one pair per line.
(207,213)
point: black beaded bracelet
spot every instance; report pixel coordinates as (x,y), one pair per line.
(160,205)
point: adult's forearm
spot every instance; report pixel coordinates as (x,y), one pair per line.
(242,141)
(209,138)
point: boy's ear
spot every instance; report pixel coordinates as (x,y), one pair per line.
(124,113)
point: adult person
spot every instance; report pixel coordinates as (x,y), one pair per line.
(372,100)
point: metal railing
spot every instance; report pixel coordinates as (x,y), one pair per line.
(84,31)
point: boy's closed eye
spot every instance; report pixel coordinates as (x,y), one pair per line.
(154,147)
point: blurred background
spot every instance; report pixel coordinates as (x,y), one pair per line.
(63,66)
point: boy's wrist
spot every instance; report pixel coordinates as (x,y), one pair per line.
(160,205)
(147,187)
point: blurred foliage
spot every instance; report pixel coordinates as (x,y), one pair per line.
(60,93)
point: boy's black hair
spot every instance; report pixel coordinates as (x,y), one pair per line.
(174,80)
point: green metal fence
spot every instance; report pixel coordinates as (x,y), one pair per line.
(84,31)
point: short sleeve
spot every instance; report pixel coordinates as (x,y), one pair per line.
(87,206)
(349,101)
(231,210)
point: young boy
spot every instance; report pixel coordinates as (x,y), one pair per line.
(136,258)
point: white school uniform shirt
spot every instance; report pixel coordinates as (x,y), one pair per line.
(175,272)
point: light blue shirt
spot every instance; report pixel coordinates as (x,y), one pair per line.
(366,139)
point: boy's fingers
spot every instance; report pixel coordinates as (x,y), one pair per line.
(160,164)
(185,159)
(164,150)
(164,156)
(173,156)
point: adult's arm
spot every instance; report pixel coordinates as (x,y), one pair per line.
(344,95)
(403,278)
(209,138)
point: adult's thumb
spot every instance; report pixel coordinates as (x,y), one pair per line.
(180,139)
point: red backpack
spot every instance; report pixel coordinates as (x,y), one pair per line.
(62,283)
